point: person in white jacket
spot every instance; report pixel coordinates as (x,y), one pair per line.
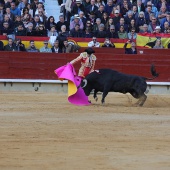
(94,43)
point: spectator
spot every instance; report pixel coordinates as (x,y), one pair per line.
(140,20)
(9,14)
(98,3)
(10,46)
(26,16)
(133,25)
(34,6)
(14,10)
(89,25)
(30,9)
(60,23)
(9,21)
(51,22)
(167,19)
(76,32)
(105,18)
(20,30)
(36,22)
(125,7)
(165,28)
(22,4)
(131,50)
(148,14)
(32,47)
(45,48)
(128,17)
(101,33)
(116,17)
(144,29)
(76,21)
(41,31)
(152,25)
(140,6)
(108,43)
(96,25)
(69,48)
(91,8)
(1,46)
(19,45)
(121,23)
(68,6)
(29,30)
(157,30)
(111,33)
(162,13)
(40,6)
(108,7)
(82,17)
(87,33)
(52,31)
(1,11)
(6,30)
(92,18)
(55,48)
(42,16)
(94,43)
(77,7)
(162,3)
(158,44)
(109,23)
(122,34)
(153,8)
(135,11)
(132,34)
(100,11)
(86,3)
(17,22)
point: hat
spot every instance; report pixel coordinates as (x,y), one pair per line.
(45,42)
(76,16)
(116,11)
(89,51)
(78,1)
(157,28)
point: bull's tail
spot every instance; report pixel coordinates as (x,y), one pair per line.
(153,72)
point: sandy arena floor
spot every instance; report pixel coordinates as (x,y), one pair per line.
(44,132)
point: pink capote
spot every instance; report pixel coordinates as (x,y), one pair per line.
(75,95)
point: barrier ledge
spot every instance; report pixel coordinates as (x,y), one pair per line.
(32,81)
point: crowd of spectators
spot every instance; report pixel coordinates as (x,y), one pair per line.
(122,19)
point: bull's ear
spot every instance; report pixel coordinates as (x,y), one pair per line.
(83,83)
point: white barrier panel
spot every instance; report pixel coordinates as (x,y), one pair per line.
(28,85)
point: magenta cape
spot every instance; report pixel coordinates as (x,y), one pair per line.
(75,95)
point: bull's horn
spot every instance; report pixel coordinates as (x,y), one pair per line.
(85,83)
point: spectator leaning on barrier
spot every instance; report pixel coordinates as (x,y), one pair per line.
(132,49)
(55,48)
(32,47)
(158,44)
(69,48)
(10,46)
(19,45)
(94,43)
(108,43)
(1,46)
(45,49)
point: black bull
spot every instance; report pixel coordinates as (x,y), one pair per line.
(107,80)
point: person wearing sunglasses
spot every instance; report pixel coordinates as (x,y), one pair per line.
(94,43)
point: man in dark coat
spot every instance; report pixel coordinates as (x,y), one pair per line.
(131,50)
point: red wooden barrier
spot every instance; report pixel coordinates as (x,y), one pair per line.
(18,65)
(152,51)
